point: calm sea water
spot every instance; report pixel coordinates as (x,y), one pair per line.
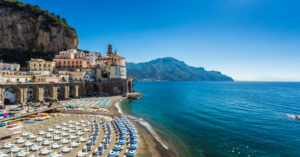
(222,118)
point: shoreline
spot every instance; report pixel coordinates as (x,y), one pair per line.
(155,147)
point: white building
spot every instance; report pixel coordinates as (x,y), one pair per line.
(67,52)
(80,54)
(118,67)
(93,56)
(29,94)
(16,78)
(39,72)
(9,66)
(5,71)
(10,95)
(117,72)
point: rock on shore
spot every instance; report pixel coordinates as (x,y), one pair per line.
(134,95)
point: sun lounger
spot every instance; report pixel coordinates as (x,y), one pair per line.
(22,153)
(55,146)
(35,147)
(66,150)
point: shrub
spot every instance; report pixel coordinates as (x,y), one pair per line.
(37,100)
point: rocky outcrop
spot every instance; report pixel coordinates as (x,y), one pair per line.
(23,30)
(134,95)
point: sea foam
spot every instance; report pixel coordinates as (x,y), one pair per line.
(142,122)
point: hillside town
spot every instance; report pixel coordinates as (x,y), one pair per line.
(67,66)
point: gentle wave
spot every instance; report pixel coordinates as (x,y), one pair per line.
(142,122)
(118,107)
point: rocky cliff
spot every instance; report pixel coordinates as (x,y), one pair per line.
(24,27)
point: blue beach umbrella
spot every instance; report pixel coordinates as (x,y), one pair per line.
(131,125)
(106,141)
(118,147)
(99,151)
(134,136)
(134,140)
(132,129)
(122,126)
(92,143)
(123,132)
(133,132)
(123,129)
(124,136)
(88,148)
(133,146)
(96,131)
(128,123)
(109,133)
(122,141)
(113,153)
(94,138)
(104,146)
(108,137)
(95,134)
(131,152)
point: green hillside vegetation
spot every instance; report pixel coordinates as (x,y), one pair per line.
(52,19)
(10,56)
(172,69)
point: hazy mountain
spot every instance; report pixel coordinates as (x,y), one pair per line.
(271,79)
(172,69)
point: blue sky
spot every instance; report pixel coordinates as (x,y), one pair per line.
(244,39)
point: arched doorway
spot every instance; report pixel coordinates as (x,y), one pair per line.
(6,101)
(118,88)
(48,92)
(96,89)
(89,90)
(81,90)
(32,93)
(129,87)
(12,94)
(72,91)
(61,92)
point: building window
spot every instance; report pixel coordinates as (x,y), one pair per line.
(80,62)
(40,69)
(34,65)
(26,80)
(72,62)
(76,62)
(59,62)
(15,69)
(18,79)
(40,65)
(48,65)
(64,62)
(44,65)
(68,62)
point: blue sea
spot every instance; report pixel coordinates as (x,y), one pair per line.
(212,119)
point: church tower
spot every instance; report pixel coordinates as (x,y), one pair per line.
(109,52)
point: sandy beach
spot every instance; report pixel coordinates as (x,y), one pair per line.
(148,146)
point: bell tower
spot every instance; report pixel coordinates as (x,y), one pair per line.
(109,52)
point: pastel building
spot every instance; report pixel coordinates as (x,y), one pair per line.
(9,66)
(76,75)
(6,78)
(66,59)
(41,65)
